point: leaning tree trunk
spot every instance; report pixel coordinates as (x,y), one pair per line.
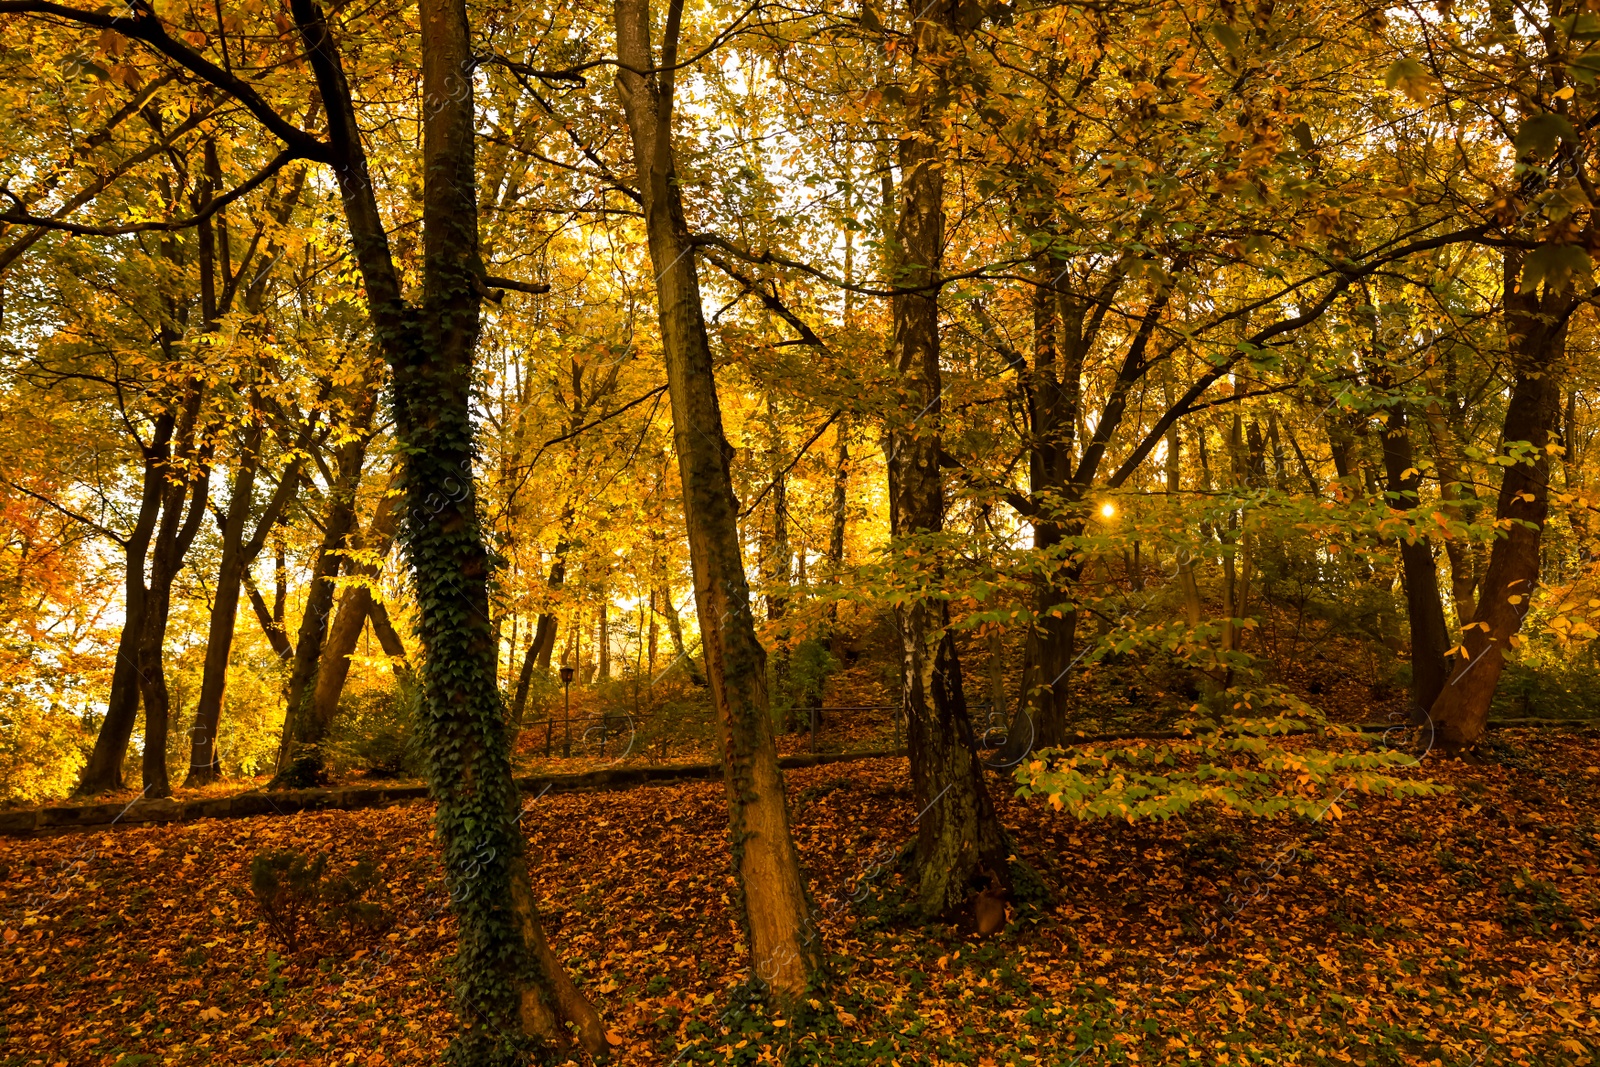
(960,844)
(355,605)
(543,643)
(1536,331)
(544,632)
(301,760)
(232,573)
(785,946)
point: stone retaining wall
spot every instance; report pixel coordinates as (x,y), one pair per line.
(69,817)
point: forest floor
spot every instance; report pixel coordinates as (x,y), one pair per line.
(1453,930)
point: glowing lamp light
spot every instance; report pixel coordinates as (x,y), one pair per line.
(1108,509)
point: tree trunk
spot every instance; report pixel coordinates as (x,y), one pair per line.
(519,703)
(1536,332)
(675,631)
(388,640)
(544,635)
(173,538)
(506,986)
(840,515)
(1457,500)
(270,626)
(960,845)
(655,637)
(1053,398)
(1430,637)
(237,555)
(355,605)
(1305,466)
(237,552)
(203,765)
(300,758)
(785,945)
(1185,568)
(508,983)
(103,771)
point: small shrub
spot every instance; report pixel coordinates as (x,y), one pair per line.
(800,687)
(375,732)
(1557,688)
(301,901)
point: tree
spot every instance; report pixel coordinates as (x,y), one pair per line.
(784,948)
(960,843)
(510,984)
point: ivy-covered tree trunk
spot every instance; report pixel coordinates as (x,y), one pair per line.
(960,843)
(1536,337)
(510,987)
(784,944)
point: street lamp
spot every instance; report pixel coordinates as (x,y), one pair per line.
(566,684)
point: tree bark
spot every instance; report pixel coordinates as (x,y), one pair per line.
(544,634)
(506,985)
(271,626)
(237,552)
(785,945)
(960,845)
(237,555)
(1049,646)
(1536,334)
(174,535)
(103,771)
(389,640)
(429,348)
(675,631)
(300,758)
(1457,500)
(1185,562)
(203,765)
(355,605)
(1430,638)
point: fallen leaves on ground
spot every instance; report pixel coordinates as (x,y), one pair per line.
(1452,930)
